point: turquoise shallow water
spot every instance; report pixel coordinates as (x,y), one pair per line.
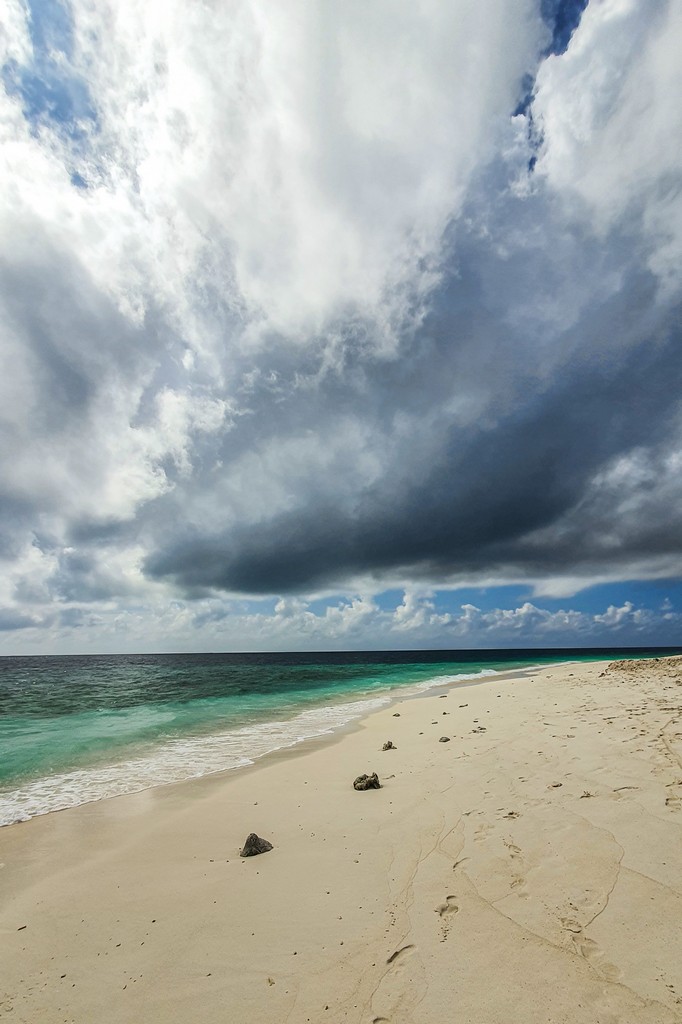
(83,728)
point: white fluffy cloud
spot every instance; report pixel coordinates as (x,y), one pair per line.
(611,122)
(250,169)
(266,167)
(357,623)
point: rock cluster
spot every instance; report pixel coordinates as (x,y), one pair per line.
(389,745)
(367,782)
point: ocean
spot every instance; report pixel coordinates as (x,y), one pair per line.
(78,729)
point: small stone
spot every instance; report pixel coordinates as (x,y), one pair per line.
(367,782)
(444,739)
(389,745)
(255,845)
(396,714)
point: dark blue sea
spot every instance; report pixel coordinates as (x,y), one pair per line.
(77,729)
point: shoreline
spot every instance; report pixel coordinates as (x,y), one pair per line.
(389,697)
(529,870)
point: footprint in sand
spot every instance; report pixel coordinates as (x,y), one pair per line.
(399,953)
(517,880)
(591,952)
(449,907)
(395,990)
(445,911)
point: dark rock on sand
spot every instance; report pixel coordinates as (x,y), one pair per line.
(389,745)
(254,845)
(444,739)
(367,782)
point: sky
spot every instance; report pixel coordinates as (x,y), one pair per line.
(340,325)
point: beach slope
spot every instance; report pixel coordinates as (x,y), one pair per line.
(526,869)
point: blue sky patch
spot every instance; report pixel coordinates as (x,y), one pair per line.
(562,18)
(49,90)
(658,595)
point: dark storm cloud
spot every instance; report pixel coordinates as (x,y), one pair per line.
(474,507)
(557,405)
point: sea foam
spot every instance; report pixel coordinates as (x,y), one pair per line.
(176,760)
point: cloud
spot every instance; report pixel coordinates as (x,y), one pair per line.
(510,409)
(294,303)
(527,481)
(414,621)
(12,619)
(610,126)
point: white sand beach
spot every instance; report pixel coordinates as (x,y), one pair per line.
(529,869)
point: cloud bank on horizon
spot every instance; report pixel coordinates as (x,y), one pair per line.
(302,304)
